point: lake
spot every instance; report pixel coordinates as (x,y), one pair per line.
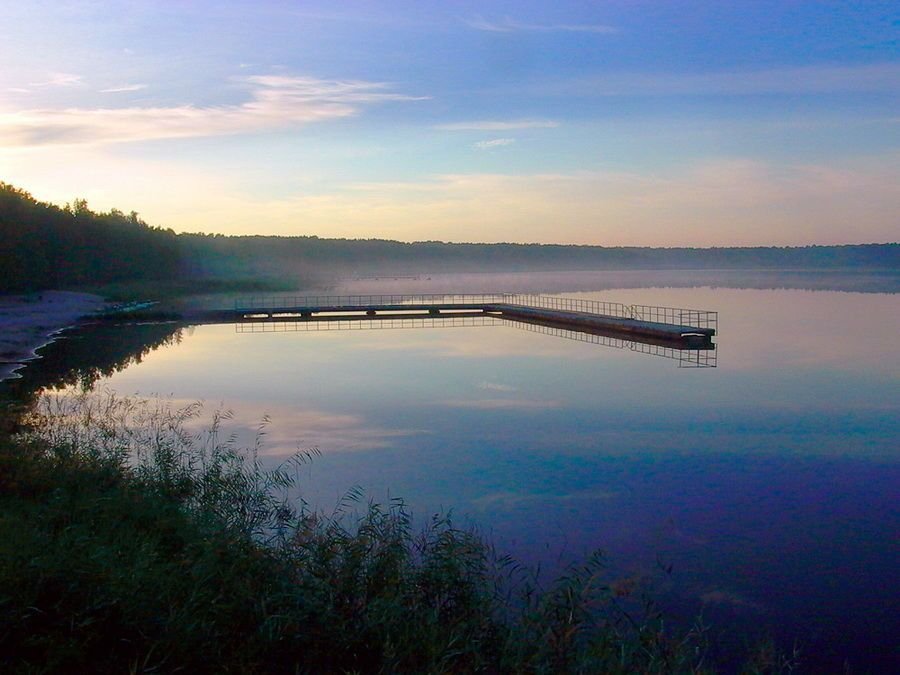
(768,483)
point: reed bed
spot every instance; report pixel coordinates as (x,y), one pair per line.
(131,541)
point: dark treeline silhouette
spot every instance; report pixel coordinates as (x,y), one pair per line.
(217,254)
(45,246)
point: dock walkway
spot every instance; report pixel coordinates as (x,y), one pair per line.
(692,328)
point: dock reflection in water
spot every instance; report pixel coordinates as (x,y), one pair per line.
(704,355)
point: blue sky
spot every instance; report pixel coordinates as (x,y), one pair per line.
(648,123)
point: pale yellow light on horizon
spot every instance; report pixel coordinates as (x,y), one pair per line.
(716,203)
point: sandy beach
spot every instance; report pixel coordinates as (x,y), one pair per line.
(27,322)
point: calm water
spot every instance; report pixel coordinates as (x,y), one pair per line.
(769,483)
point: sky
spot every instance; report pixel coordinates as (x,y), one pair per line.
(650,123)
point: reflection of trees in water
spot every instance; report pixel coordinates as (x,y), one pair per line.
(82,357)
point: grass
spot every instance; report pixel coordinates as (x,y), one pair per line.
(129,541)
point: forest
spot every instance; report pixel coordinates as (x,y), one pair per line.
(46,246)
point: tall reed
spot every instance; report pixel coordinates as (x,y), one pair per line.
(133,539)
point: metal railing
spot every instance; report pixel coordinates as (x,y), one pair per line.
(686,358)
(268,303)
(679,316)
(445,321)
(601,307)
(694,318)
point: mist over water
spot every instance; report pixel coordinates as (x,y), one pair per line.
(768,484)
(862,281)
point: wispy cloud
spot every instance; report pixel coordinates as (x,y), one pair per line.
(879,77)
(59,80)
(275,102)
(123,88)
(502,404)
(494,143)
(498,125)
(508,25)
(293,429)
(495,386)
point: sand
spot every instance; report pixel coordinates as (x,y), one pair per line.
(28,322)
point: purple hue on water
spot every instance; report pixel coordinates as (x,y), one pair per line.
(769,484)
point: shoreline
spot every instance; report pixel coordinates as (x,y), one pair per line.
(31,321)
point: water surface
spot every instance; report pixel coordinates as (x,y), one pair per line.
(768,483)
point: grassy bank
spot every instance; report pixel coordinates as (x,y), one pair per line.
(130,543)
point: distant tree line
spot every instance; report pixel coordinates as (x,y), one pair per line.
(45,246)
(209,253)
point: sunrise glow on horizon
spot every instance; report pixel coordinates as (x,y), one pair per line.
(613,123)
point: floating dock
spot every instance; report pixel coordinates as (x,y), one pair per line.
(677,327)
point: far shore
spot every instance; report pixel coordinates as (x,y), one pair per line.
(28,322)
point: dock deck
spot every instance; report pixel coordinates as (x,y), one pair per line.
(690,328)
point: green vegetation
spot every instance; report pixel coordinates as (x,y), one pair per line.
(112,254)
(130,542)
(44,246)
